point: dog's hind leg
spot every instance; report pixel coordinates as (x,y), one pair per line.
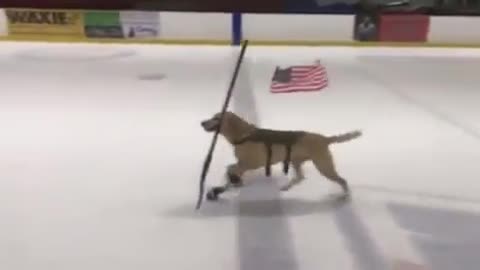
(299,176)
(325,165)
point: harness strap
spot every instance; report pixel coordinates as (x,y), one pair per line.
(269,138)
(286,162)
(268,147)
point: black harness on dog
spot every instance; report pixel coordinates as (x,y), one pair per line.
(269,138)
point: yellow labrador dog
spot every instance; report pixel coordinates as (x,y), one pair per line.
(256,147)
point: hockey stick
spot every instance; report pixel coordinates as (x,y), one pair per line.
(208,159)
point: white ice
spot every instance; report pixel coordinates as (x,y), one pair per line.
(101,148)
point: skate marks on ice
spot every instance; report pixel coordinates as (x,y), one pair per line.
(447,239)
(406,265)
(441,229)
(358,240)
(74,54)
(415,194)
(69,53)
(258,200)
(264,237)
(152,77)
(369,70)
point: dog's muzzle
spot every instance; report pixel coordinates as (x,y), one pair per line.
(210,125)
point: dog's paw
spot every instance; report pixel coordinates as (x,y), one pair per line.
(235,180)
(212,195)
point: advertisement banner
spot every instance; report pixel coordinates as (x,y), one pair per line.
(365,27)
(405,27)
(140,24)
(3,23)
(320,6)
(103,24)
(44,22)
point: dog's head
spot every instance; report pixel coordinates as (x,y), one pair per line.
(212,124)
(231,124)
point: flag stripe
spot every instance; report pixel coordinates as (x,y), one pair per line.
(307,79)
(318,83)
(313,81)
(300,85)
(302,78)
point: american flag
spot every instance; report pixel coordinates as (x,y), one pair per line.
(299,78)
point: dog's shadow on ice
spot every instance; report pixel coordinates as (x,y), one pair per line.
(274,207)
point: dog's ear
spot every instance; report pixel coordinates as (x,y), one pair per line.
(234,126)
(238,127)
(228,114)
(228,123)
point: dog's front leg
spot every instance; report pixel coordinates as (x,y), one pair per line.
(234,175)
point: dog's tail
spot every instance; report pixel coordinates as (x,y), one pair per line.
(345,137)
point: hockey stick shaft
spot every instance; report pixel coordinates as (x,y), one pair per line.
(208,159)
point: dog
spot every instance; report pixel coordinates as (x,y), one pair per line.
(255,147)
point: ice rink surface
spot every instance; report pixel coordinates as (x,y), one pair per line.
(101,151)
